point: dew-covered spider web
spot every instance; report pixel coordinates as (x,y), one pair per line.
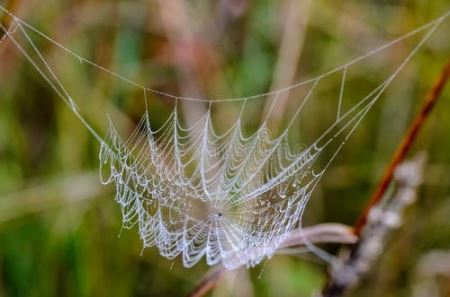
(197,191)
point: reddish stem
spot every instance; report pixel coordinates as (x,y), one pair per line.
(405,145)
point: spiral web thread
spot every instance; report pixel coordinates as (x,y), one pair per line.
(198,193)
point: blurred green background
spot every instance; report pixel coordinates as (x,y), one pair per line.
(59,226)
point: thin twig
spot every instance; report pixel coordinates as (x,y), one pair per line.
(211,279)
(359,258)
(383,219)
(321,233)
(405,145)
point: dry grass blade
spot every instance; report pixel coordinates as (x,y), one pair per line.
(321,233)
(63,191)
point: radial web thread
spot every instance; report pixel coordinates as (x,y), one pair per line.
(195,192)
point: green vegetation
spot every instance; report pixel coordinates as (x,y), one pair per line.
(59,226)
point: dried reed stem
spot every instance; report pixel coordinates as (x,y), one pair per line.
(405,145)
(358,260)
(383,219)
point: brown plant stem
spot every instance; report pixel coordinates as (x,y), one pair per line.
(210,280)
(321,233)
(384,218)
(405,145)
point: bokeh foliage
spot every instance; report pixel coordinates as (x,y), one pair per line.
(59,227)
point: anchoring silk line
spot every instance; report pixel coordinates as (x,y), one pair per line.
(198,193)
(275,92)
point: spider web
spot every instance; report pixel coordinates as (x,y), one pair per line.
(196,192)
